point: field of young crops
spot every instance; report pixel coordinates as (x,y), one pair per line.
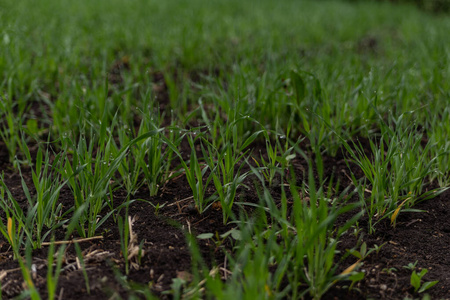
(224,150)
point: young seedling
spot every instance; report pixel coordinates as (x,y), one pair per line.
(218,239)
(416,281)
(389,271)
(411,266)
(195,175)
(226,176)
(362,254)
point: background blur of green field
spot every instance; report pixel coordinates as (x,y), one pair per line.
(397,52)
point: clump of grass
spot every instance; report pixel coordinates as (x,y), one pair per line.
(278,156)
(91,176)
(42,213)
(197,176)
(150,157)
(226,162)
(397,171)
(11,123)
